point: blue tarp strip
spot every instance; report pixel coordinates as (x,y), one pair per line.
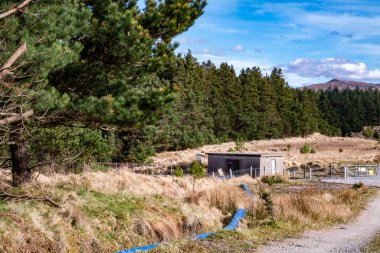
(235,220)
(239,214)
(247,190)
(202,236)
(141,248)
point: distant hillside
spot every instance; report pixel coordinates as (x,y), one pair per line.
(343,84)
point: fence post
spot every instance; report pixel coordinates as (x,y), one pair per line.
(213,174)
(264,170)
(345,172)
(171,170)
(304,172)
(330,170)
(230,173)
(310,171)
(294,174)
(255,173)
(251,171)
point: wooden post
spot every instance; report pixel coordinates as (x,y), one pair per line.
(230,173)
(304,172)
(213,174)
(251,171)
(171,170)
(264,170)
(294,174)
(255,173)
(310,170)
(330,170)
(345,172)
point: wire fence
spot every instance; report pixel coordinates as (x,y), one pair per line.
(334,171)
(303,172)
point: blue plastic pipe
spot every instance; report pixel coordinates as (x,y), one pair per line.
(239,214)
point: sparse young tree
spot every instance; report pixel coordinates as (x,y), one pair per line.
(196,171)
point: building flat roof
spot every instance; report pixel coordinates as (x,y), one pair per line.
(245,154)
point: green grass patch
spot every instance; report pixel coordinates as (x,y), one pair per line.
(271,180)
(100,205)
(3,206)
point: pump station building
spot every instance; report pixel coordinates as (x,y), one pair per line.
(245,163)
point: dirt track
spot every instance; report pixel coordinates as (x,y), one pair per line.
(327,150)
(343,238)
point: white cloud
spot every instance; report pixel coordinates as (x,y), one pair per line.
(209,52)
(296,80)
(238,48)
(332,68)
(238,64)
(188,40)
(220,29)
(323,18)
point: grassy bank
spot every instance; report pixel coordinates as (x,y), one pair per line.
(373,246)
(110,211)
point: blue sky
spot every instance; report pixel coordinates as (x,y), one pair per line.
(312,41)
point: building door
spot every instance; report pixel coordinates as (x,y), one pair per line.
(274,167)
(233,165)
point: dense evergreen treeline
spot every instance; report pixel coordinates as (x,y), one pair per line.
(350,110)
(213,104)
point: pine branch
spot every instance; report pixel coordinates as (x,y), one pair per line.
(4,70)
(15,9)
(14,119)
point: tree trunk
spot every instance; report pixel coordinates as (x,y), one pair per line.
(21,171)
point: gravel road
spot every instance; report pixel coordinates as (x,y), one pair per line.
(348,238)
(367,181)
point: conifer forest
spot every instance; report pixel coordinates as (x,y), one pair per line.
(99,80)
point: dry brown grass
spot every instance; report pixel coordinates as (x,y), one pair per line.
(107,211)
(228,198)
(314,207)
(129,183)
(110,211)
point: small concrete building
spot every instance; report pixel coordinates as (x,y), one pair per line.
(241,163)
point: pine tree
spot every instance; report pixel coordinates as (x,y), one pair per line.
(187,124)
(36,38)
(92,63)
(250,79)
(283,99)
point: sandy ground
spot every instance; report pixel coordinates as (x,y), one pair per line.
(327,150)
(349,238)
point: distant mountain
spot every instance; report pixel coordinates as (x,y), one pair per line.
(343,84)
